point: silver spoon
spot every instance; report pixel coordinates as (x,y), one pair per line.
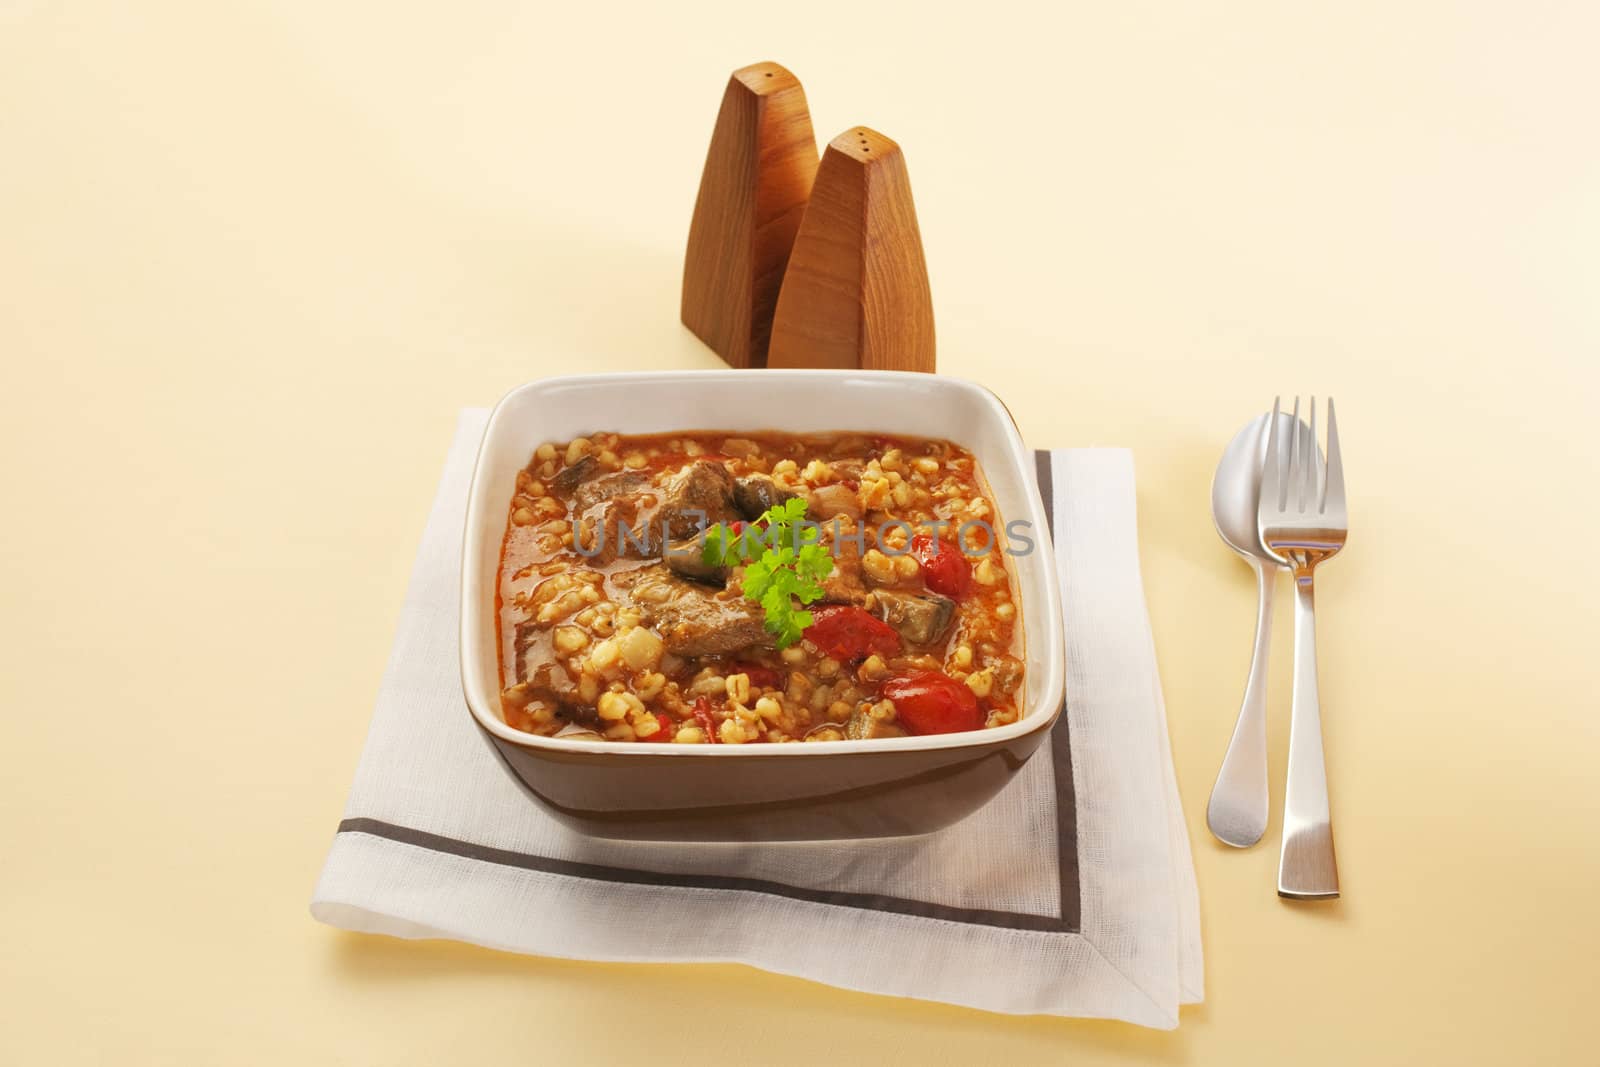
(1237,813)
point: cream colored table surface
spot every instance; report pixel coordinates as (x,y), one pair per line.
(253,258)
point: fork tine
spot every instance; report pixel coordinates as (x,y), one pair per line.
(1310,494)
(1333,489)
(1271,477)
(1293,480)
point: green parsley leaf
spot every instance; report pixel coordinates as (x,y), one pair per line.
(783,561)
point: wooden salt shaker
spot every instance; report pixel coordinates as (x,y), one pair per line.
(753,191)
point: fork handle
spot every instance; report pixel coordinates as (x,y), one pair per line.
(1237,814)
(1306,867)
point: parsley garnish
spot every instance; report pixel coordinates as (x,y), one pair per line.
(790,566)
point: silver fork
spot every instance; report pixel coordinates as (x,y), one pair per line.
(1303,522)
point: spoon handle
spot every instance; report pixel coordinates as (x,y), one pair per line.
(1237,813)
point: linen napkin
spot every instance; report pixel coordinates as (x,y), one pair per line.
(1071,893)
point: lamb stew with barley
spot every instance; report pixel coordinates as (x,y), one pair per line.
(761,587)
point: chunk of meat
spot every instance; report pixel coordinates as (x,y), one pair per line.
(608,488)
(569,478)
(755,494)
(830,501)
(532,649)
(552,681)
(542,678)
(695,620)
(701,494)
(921,618)
(625,532)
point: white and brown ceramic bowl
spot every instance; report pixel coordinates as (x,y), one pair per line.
(842,789)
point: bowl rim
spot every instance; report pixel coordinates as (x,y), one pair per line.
(1044,703)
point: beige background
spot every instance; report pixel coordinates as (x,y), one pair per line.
(253,258)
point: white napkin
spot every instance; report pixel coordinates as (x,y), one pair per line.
(440,840)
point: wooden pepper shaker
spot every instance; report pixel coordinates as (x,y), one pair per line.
(856,291)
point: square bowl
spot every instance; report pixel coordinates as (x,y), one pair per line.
(841,789)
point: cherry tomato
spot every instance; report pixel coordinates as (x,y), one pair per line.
(944,569)
(932,702)
(845,632)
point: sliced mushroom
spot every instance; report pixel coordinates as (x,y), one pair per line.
(755,494)
(686,557)
(921,618)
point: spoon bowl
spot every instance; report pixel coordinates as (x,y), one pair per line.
(1236,489)
(1237,814)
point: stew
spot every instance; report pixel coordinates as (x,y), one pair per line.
(702,588)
